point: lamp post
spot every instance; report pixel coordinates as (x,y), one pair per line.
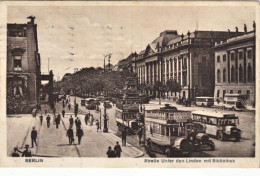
(75,70)
(105,129)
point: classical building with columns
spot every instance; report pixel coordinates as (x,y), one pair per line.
(188,59)
(235,67)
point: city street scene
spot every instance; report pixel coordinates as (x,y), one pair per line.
(131,81)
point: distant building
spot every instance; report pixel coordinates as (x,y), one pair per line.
(235,67)
(126,64)
(188,59)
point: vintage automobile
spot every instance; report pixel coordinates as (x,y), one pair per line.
(198,140)
(91,106)
(107,104)
(186,102)
(83,102)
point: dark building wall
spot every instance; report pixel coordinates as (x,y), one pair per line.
(22,42)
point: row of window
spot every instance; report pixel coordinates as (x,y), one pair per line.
(232,56)
(233,75)
(231,92)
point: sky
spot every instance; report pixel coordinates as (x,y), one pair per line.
(79,36)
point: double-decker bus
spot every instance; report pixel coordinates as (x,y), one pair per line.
(234,102)
(167,129)
(221,125)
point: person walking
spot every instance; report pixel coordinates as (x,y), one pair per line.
(76,109)
(59,117)
(41,118)
(69,106)
(117,150)
(63,113)
(97,124)
(79,133)
(45,110)
(48,119)
(54,110)
(70,135)
(78,123)
(15,153)
(110,152)
(71,121)
(63,104)
(140,134)
(57,122)
(33,136)
(27,152)
(124,133)
(86,119)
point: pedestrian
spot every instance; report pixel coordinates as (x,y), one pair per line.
(27,152)
(54,110)
(149,144)
(63,113)
(124,133)
(48,119)
(45,110)
(151,130)
(79,133)
(110,153)
(59,117)
(97,124)
(57,122)
(69,106)
(78,123)
(63,104)
(117,150)
(33,136)
(76,109)
(71,121)
(86,118)
(70,135)
(41,118)
(15,153)
(140,134)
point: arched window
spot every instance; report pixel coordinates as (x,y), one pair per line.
(233,74)
(249,73)
(224,75)
(218,76)
(241,77)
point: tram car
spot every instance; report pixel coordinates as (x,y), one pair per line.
(127,116)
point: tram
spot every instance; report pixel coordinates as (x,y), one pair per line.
(127,109)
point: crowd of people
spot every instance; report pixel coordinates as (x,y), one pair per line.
(56,119)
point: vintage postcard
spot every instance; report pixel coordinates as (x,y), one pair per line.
(129,84)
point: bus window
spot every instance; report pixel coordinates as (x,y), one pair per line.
(163,130)
(213,121)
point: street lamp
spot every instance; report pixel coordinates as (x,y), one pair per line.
(75,70)
(105,129)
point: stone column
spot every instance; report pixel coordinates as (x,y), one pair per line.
(181,59)
(145,73)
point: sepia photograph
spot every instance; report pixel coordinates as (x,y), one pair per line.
(152,83)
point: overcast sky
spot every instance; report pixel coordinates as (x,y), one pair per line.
(77,37)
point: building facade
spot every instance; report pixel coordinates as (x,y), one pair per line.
(235,67)
(187,59)
(23,67)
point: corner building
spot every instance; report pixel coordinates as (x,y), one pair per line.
(23,67)
(188,59)
(235,67)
